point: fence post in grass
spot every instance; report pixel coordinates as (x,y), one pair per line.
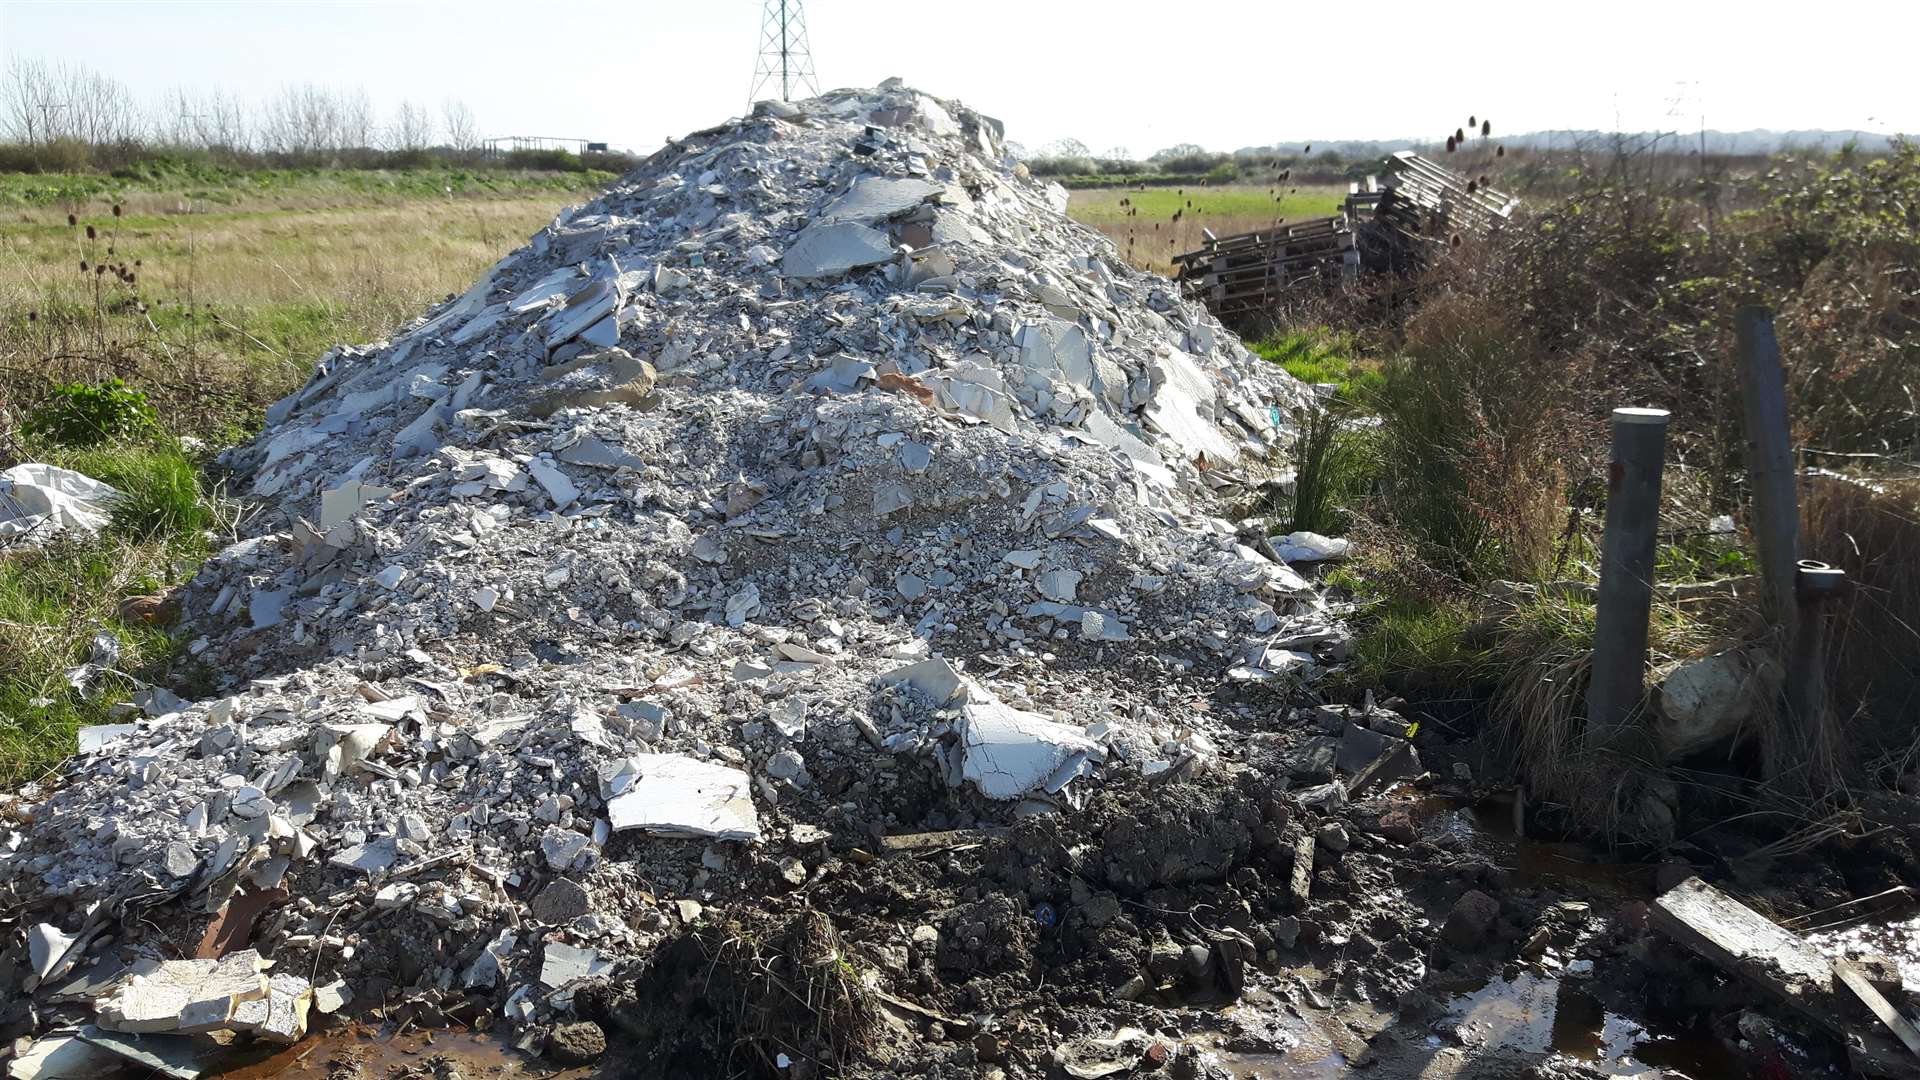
(1769,454)
(1626,571)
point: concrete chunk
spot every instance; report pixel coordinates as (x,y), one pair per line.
(831,250)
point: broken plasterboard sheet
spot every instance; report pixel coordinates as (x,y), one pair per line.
(877,198)
(1008,753)
(186,996)
(676,795)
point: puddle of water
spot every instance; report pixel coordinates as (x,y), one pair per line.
(1540,1014)
(1487,829)
(374,1055)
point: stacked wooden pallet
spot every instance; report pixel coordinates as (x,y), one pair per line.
(1386,229)
(1237,276)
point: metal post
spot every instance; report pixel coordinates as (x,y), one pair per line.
(1626,571)
(1807,750)
(1769,451)
(785,95)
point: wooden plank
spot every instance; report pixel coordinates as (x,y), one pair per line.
(934,841)
(1753,948)
(1853,979)
(1301,882)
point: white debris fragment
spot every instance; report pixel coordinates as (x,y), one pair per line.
(676,795)
(830,250)
(186,996)
(1008,753)
(37,501)
(561,964)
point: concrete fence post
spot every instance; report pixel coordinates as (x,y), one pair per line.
(1626,571)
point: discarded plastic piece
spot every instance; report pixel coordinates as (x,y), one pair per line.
(1090,1059)
(676,795)
(1309,547)
(37,501)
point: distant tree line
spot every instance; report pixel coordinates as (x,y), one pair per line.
(1188,161)
(65,117)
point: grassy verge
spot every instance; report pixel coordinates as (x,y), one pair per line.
(161,189)
(55,600)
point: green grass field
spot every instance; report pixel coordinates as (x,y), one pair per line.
(159,189)
(1141,221)
(1110,206)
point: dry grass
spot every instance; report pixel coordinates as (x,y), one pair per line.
(239,302)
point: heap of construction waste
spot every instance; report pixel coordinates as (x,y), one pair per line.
(819,462)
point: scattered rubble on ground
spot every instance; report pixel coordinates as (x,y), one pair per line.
(781,618)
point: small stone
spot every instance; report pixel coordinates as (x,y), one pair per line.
(1397,826)
(1196,963)
(1470,920)
(788,765)
(560,847)
(579,1043)
(1333,836)
(563,900)
(1100,909)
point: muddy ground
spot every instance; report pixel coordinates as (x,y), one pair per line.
(1156,931)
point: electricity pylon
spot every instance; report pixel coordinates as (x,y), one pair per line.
(783,52)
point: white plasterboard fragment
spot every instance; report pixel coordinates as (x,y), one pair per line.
(558,487)
(97,737)
(676,795)
(561,964)
(339,504)
(62,1057)
(46,944)
(876,198)
(934,678)
(1007,752)
(1181,393)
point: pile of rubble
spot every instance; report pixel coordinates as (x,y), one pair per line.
(818,482)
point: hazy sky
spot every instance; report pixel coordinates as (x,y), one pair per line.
(1222,73)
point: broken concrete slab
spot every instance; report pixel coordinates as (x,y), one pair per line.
(830,250)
